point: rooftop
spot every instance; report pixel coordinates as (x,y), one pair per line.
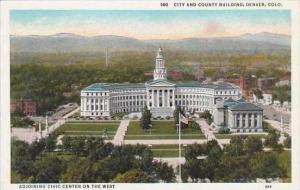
(240,105)
(113,86)
(195,84)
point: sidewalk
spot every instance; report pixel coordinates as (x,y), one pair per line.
(208,132)
(120,134)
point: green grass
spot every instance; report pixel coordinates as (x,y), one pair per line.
(284,159)
(229,136)
(167,153)
(89,129)
(160,130)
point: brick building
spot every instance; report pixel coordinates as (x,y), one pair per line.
(25,106)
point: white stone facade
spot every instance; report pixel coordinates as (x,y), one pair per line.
(160,95)
(238,116)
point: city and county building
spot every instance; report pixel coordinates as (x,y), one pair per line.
(238,116)
(160,95)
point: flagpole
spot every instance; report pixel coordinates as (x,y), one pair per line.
(179,146)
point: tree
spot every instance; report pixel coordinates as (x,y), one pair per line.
(265,165)
(77,145)
(66,143)
(287,142)
(76,171)
(146,119)
(258,93)
(133,176)
(236,146)
(164,172)
(21,162)
(36,148)
(207,116)
(194,150)
(213,150)
(253,144)
(238,167)
(48,170)
(50,142)
(272,139)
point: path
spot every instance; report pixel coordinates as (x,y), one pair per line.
(208,132)
(120,134)
(277,125)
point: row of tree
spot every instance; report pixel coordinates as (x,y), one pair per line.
(85,159)
(243,160)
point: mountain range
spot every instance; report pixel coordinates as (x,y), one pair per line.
(67,42)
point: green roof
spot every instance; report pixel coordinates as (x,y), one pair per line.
(113,86)
(240,105)
(216,86)
(195,84)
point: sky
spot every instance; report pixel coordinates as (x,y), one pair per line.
(154,24)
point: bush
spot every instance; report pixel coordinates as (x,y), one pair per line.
(287,143)
(223,130)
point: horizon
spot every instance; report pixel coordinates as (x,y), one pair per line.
(84,36)
(150,25)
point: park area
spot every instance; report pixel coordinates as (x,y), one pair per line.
(98,129)
(167,150)
(160,130)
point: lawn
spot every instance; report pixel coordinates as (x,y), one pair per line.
(284,159)
(229,136)
(89,129)
(160,130)
(169,150)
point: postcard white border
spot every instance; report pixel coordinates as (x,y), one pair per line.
(6,6)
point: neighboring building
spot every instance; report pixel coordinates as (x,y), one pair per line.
(267,99)
(159,95)
(238,115)
(284,81)
(175,75)
(25,106)
(265,83)
(277,103)
(246,84)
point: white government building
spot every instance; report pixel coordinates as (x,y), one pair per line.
(160,95)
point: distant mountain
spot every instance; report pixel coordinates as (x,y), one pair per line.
(67,42)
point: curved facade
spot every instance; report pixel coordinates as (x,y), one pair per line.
(160,95)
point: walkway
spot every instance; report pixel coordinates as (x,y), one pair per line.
(208,132)
(120,134)
(277,125)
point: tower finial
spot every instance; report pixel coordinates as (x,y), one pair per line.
(160,71)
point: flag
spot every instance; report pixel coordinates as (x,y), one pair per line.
(184,120)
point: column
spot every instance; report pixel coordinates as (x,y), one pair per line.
(152,98)
(234,122)
(163,98)
(252,120)
(259,120)
(246,122)
(157,98)
(173,98)
(241,120)
(147,98)
(168,98)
